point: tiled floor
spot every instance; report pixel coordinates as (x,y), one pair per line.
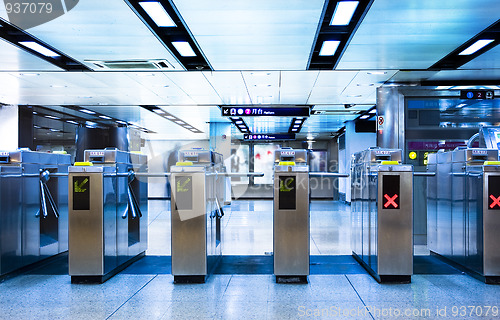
(247,231)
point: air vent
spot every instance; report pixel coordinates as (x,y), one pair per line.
(157,64)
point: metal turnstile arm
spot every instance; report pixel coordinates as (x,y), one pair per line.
(424,174)
(329,174)
(242,175)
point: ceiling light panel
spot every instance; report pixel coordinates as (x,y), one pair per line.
(280,37)
(157,12)
(344,10)
(488,60)
(414,35)
(177,38)
(13,58)
(478,45)
(338,23)
(84,35)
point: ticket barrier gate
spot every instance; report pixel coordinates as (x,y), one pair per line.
(108,214)
(197,192)
(382,214)
(33,207)
(291,232)
(463,210)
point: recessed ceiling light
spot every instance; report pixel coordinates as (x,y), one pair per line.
(365,84)
(37,127)
(39,48)
(170,117)
(105,117)
(329,47)
(239,121)
(90,123)
(377,72)
(478,45)
(296,125)
(184,48)
(461,105)
(120,122)
(52,117)
(343,13)
(87,111)
(366,116)
(260,74)
(157,12)
(179,121)
(72,122)
(159,111)
(373,111)
(55,130)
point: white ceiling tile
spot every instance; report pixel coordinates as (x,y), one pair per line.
(415,34)
(253,35)
(103,30)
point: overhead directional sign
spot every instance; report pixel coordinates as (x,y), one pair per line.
(250,111)
(477,94)
(287,136)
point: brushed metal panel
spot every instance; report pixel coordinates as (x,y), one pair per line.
(458,211)
(431,206)
(10,220)
(444,243)
(395,228)
(86,234)
(491,227)
(474,218)
(189,227)
(31,206)
(291,234)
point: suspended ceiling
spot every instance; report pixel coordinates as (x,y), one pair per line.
(259,51)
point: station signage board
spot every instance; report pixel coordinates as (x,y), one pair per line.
(287,136)
(477,94)
(250,111)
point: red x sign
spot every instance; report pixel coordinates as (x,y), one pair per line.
(390,201)
(496,201)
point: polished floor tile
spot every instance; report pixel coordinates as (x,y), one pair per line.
(248,231)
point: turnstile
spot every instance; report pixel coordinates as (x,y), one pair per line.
(33,207)
(108,214)
(382,214)
(291,216)
(463,207)
(197,195)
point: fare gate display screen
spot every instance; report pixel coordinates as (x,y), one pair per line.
(494,192)
(390,191)
(184,192)
(287,193)
(81,193)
